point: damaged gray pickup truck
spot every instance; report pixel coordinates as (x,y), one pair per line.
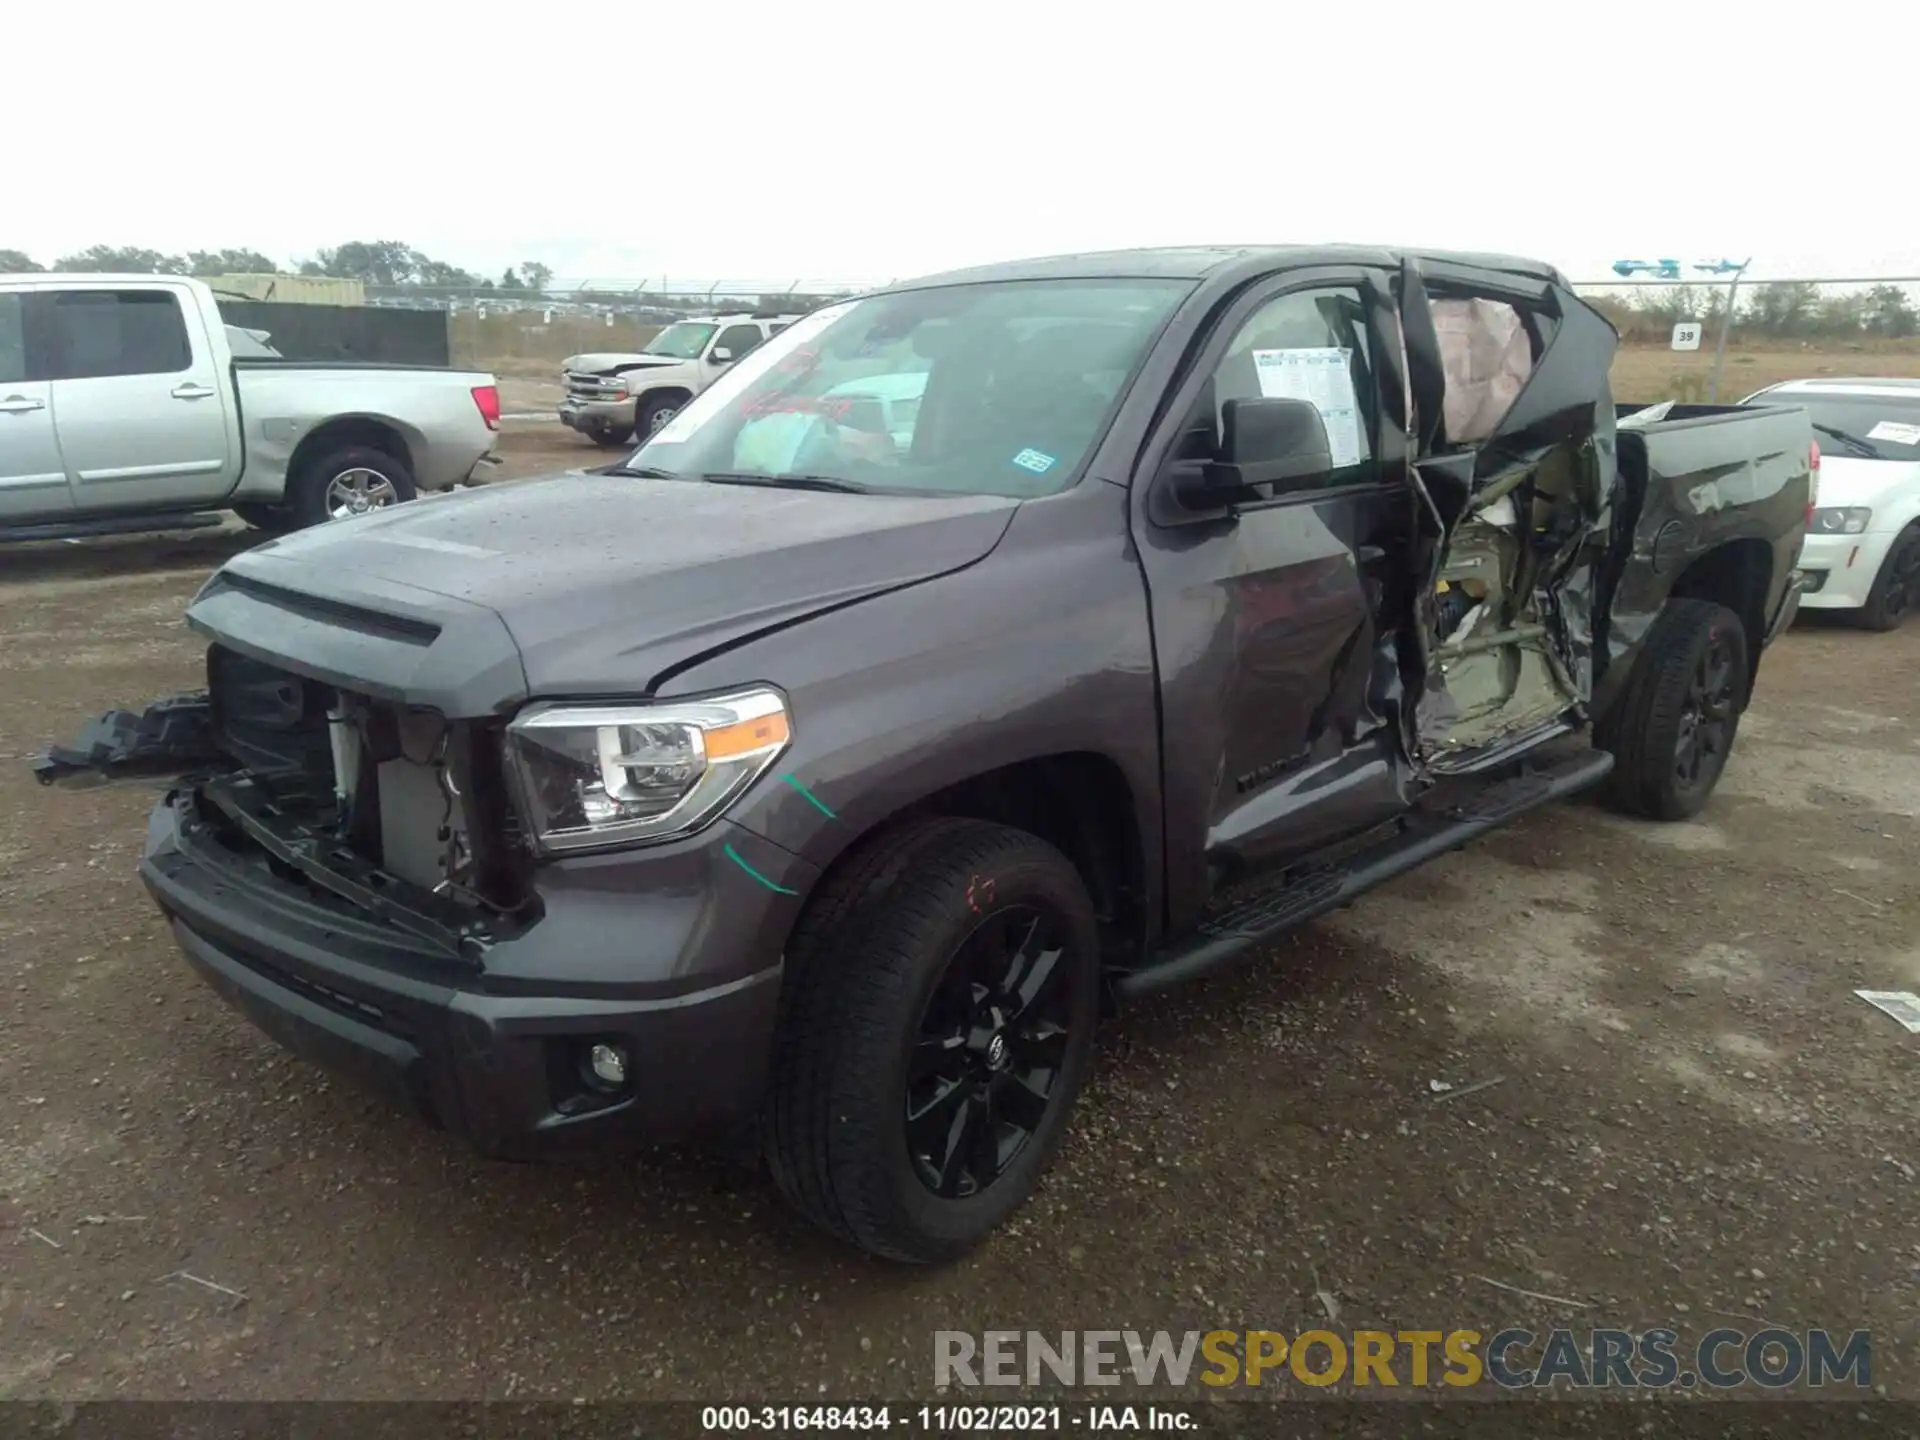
(974,655)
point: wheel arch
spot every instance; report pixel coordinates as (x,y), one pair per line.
(376,432)
(673,390)
(1737,574)
(1079,801)
(1905,532)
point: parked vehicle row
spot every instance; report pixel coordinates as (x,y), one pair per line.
(127,404)
(968,657)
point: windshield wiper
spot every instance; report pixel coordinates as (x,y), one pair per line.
(831,483)
(645,472)
(1851,441)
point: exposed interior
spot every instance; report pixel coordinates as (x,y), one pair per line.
(1496,667)
(402,788)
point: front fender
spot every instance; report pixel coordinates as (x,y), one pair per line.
(279,444)
(1040,649)
(679,381)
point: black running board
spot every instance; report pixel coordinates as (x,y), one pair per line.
(1228,934)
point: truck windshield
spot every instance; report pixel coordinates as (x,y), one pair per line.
(1886,427)
(999,389)
(684,341)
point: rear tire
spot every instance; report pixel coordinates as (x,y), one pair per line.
(1896,589)
(1673,727)
(909,964)
(324,487)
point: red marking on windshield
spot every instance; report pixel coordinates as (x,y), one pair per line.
(832,408)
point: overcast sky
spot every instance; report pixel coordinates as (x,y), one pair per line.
(861,142)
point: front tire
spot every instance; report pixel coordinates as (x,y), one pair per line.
(1896,589)
(1673,727)
(611,439)
(937,1025)
(655,413)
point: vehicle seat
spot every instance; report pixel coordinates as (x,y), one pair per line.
(1042,392)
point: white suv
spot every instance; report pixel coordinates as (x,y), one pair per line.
(1862,553)
(613,398)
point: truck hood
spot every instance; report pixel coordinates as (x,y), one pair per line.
(1878,484)
(603,363)
(578,586)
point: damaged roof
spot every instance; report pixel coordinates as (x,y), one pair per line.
(1199,262)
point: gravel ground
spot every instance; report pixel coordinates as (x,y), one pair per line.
(1693,1122)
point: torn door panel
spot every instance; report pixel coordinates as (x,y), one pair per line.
(1516,473)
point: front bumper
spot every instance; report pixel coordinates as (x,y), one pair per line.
(1841,568)
(671,953)
(591,415)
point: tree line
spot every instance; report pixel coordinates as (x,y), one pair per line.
(391,264)
(1783,310)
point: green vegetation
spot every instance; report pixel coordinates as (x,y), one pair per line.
(1787,310)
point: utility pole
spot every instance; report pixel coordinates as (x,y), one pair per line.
(1670,270)
(1726,320)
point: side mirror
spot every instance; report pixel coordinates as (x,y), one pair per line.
(1266,446)
(720,355)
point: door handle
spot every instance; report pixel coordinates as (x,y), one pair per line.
(20,404)
(191,391)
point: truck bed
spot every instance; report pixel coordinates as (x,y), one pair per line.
(1680,443)
(1673,412)
(1724,487)
(280,365)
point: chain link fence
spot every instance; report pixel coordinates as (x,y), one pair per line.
(1782,330)
(528,332)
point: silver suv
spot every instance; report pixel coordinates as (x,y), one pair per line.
(612,398)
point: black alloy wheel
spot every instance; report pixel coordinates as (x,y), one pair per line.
(1902,585)
(1706,715)
(989,1052)
(1674,724)
(937,1015)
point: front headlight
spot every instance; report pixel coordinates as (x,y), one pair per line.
(1842,520)
(591,776)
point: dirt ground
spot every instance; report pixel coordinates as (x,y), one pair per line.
(1648,373)
(1692,1121)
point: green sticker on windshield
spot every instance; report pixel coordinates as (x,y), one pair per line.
(1038,461)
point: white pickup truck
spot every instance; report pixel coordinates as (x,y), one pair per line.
(613,397)
(124,407)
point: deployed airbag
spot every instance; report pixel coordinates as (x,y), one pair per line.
(1487,357)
